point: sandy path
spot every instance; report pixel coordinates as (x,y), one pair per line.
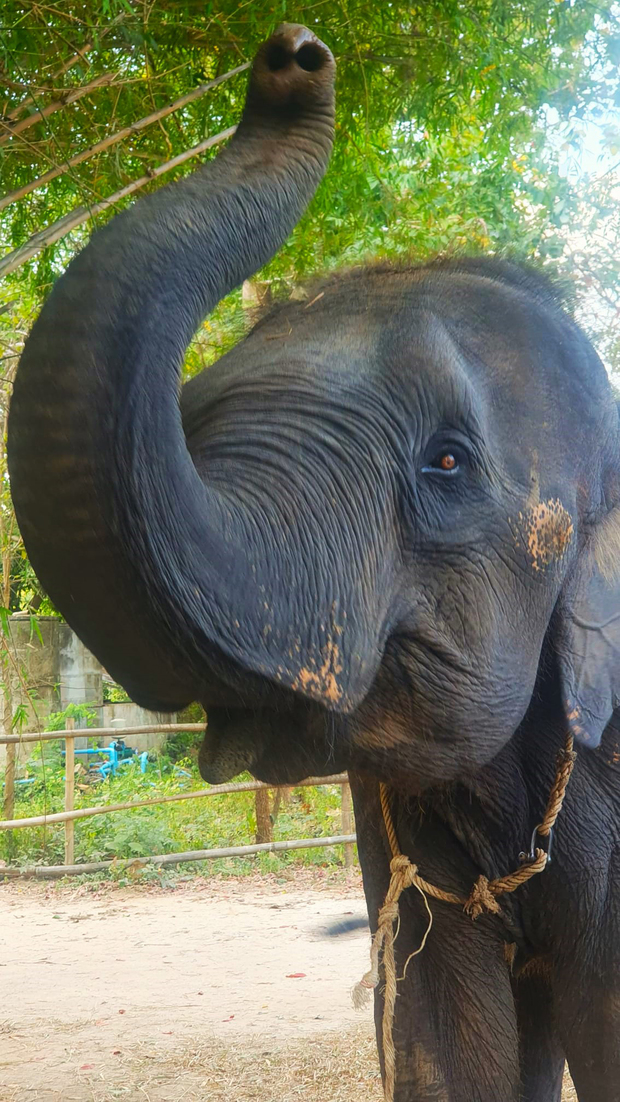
(84,978)
(217,991)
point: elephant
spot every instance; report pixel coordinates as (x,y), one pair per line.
(380,535)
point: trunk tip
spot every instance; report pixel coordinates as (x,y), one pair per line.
(294,65)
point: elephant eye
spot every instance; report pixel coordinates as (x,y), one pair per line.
(446,461)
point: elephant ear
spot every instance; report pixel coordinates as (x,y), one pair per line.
(588,634)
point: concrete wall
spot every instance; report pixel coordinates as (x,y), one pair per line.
(80,675)
(38,664)
(61,671)
(132,715)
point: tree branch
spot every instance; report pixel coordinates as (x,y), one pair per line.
(76,217)
(112,139)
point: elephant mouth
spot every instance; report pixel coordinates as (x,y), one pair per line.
(276,745)
(231,744)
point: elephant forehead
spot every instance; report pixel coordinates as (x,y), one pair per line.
(404,352)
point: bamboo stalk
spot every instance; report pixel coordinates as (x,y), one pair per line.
(70,96)
(197,794)
(102,732)
(54,872)
(68,222)
(118,136)
(31,97)
(79,55)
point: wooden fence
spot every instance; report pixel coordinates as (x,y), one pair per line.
(70,814)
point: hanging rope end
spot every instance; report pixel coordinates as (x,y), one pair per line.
(363,991)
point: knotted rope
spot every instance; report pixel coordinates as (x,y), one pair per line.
(481,899)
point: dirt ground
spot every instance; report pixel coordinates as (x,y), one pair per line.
(218,990)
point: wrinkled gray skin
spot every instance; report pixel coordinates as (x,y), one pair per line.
(381,534)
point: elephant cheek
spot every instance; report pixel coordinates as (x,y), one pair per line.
(320,680)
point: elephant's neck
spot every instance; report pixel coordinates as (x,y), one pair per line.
(494,813)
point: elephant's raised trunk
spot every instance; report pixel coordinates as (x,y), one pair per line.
(146,562)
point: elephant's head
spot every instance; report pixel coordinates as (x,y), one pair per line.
(356,535)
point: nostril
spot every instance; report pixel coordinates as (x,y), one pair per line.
(278,57)
(310,58)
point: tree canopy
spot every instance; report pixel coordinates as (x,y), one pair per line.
(460,124)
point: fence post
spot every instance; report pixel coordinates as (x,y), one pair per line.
(9,782)
(347,824)
(69,792)
(264,831)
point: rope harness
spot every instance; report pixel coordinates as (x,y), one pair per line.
(482,899)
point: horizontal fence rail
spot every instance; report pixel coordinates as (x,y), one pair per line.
(55,872)
(196,794)
(70,815)
(100,732)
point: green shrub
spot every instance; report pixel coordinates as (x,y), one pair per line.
(114,694)
(57,721)
(182,744)
(205,823)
